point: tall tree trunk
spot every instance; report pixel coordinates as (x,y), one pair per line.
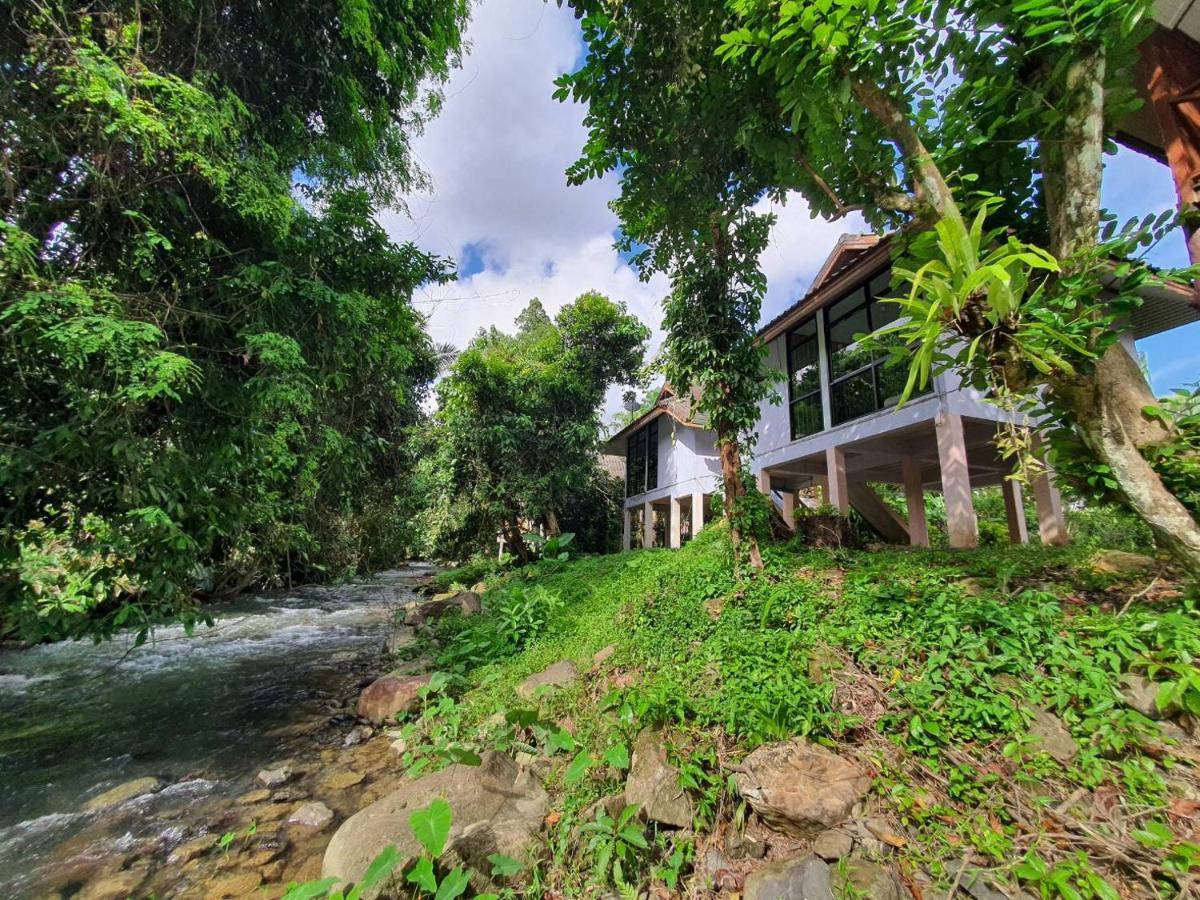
(731,472)
(1107,413)
(1107,405)
(516,541)
(553,529)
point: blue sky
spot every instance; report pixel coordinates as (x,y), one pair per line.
(1135,185)
(501,207)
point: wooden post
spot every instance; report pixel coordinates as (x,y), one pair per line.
(647,524)
(673,538)
(914,495)
(697,512)
(837,494)
(627,531)
(956,481)
(1014,510)
(1052,524)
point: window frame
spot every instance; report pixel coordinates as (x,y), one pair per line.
(642,446)
(870,303)
(793,399)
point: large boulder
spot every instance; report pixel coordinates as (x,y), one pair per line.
(423,612)
(801,788)
(387,697)
(653,783)
(1119,562)
(872,881)
(558,675)
(790,879)
(498,808)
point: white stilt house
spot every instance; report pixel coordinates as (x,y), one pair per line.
(839,430)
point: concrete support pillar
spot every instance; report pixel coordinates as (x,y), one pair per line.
(1052,524)
(673,537)
(647,525)
(627,530)
(837,494)
(697,512)
(1014,511)
(764,482)
(914,495)
(956,481)
(789,509)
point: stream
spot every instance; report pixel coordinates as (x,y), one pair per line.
(201,714)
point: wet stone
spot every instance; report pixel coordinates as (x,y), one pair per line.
(122,792)
(237,884)
(256,796)
(339,781)
(274,777)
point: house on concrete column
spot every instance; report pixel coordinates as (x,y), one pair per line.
(671,472)
(840,429)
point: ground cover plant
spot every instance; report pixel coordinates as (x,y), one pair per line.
(935,670)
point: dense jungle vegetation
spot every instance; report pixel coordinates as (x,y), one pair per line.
(211,357)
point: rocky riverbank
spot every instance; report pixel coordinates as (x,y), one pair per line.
(274,685)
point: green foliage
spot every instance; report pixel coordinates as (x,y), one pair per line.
(515,437)
(184,322)
(615,845)
(517,615)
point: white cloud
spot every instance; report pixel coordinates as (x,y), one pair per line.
(497,156)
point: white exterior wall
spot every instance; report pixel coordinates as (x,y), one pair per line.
(687,463)
(775,445)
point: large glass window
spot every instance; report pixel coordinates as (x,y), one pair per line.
(804,380)
(861,380)
(641,460)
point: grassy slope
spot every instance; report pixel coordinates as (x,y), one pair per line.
(925,666)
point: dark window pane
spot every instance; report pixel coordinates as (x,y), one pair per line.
(844,358)
(881,284)
(845,305)
(891,380)
(853,397)
(883,312)
(806,416)
(652,455)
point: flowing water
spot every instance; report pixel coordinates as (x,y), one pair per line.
(200,713)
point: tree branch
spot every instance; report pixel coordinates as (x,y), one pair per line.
(929,185)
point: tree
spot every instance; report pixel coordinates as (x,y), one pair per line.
(209,379)
(884,105)
(518,423)
(668,122)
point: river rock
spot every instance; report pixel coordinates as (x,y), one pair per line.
(272,778)
(602,655)
(1119,562)
(313,814)
(801,788)
(387,697)
(1053,737)
(497,807)
(339,781)
(790,879)
(743,846)
(872,881)
(422,613)
(188,851)
(115,886)
(653,783)
(237,884)
(256,796)
(552,677)
(402,636)
(832,845)
(122,792)
(1140,693)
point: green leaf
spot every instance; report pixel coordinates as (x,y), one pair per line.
(617,756)
(381,866)
(453,885)
(422,875)
(578,768)
(431,826)
(504,866)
